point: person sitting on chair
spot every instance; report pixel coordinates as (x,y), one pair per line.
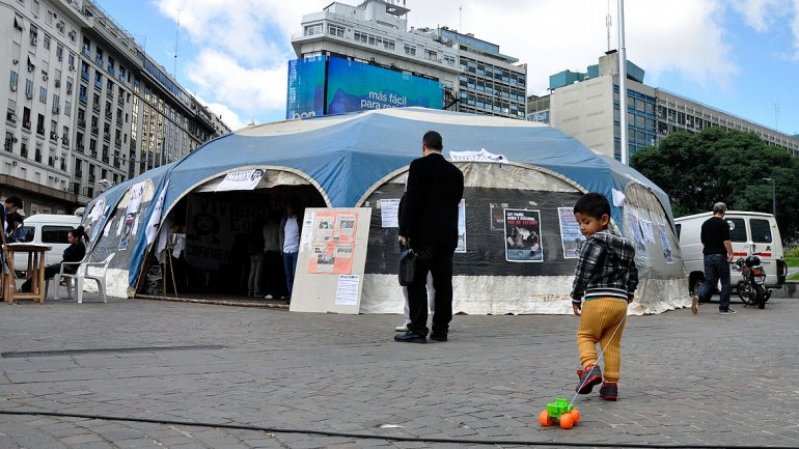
(74,253)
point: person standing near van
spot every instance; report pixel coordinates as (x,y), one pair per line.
(717,251)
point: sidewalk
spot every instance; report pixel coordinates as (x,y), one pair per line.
(689,380)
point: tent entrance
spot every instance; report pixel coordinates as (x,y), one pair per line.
(215,240)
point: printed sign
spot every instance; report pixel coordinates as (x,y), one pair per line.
(332,242)
(666,243)
(130,220)
(389,212)
(523,236)
(241,180)
(570,236)
(461,248)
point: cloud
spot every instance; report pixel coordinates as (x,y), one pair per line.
(759,14)
(243,51)
(551,36)
(249,91)
(257,32)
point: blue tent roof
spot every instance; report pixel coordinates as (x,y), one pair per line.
(346,155)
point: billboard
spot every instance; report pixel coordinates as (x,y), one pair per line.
(306,88)
(355,86)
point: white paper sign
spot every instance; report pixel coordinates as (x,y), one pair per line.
(241,180)
(389,213)
(347,290)
(477,156)
(307,227)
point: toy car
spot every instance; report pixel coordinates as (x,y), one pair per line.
(559,410)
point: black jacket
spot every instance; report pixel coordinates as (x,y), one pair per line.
(429,213)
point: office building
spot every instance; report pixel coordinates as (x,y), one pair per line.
(586,106)
(472,75)
(95,109)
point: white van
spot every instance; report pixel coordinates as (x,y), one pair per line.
(45,229)
(750,232)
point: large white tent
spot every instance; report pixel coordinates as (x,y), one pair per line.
(361,159)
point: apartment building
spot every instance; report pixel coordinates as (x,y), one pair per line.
(473,75)
(95,109)
(586,105)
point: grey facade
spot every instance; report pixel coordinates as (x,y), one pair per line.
(476,77)
(589,110)
(86,107)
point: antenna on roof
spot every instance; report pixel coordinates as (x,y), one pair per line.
(608,24)
(177,34)
(460,18)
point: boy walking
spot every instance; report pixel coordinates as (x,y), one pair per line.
(604,283)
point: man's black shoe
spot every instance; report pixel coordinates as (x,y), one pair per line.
(438,337)
(410,337)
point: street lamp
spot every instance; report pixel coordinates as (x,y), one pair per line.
(773,180)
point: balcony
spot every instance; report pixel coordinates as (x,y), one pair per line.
(84,76)
(82,124)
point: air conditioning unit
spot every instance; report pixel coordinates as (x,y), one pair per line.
(11,116)
(34,41)
(13,87)
(15,61)
(72,34)
(45,77)
(28,95)
(57,83)
(57,110)
(53,135)
(65,140)
(26,124)
(72,68)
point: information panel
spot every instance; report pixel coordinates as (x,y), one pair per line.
(331,261)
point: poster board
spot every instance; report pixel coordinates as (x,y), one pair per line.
(331,261)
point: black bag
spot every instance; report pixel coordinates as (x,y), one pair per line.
(407,266)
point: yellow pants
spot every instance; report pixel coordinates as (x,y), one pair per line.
(598,321)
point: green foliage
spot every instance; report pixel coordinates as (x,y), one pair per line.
(697,170)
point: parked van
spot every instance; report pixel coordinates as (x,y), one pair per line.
(45,229)
(750,232)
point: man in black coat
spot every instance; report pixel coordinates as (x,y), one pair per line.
(428,223)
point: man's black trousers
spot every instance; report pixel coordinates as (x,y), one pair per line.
(436,259)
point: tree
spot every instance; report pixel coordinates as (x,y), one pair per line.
(697,170)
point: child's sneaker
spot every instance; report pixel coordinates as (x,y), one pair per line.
(588,378)
(609,391)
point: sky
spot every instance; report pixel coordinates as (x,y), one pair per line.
(739,56)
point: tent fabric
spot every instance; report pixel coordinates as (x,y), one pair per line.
(347,157)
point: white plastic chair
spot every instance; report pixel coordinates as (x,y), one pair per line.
(76,279)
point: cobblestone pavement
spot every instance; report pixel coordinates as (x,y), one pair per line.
(691,380)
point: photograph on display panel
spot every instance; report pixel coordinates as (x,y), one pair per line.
(523,236)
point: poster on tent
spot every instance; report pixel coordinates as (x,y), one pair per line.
(637,234)
(666,243)
(93,223)
(330,267)
(570,236)
(240,180)
(389,212)
(461,248)
(130,222)
(522,236)
(332,237)
(497,212)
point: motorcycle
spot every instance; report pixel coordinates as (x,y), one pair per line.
(752,286)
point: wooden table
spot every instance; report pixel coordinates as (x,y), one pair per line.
(36,263)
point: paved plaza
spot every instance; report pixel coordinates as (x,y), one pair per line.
(686,380)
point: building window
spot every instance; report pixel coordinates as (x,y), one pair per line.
(430,54)
(335,30)
(360,37)
(34,35)
(410,50)
(18,23)
(29,88)
(13,81)
(311,30)
(46,42)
